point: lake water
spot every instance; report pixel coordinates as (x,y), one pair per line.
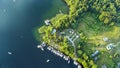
(17,21)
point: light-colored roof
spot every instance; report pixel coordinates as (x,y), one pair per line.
(53,31)
(95,53)
(110,46)
(47,22)
(105,39)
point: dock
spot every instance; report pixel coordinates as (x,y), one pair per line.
(42,46)
(58,53)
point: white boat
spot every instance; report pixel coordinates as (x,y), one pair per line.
(39,46)
(47,60)
(10,53)
(76,63)
(68,61)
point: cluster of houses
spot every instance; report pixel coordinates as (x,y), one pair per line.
(72,38)
(110,46)
(48,22)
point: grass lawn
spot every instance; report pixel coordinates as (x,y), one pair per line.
(95,31)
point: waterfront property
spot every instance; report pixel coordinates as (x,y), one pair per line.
(47,22)
(86,36)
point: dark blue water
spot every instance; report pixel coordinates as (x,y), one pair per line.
(17,21)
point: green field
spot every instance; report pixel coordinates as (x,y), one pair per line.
(95,31)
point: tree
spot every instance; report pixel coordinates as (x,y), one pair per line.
(42,29)
(94,66)
(85,56)
(106,20)
(79,52)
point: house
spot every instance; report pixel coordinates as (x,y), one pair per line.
(70,31)
(47,22)
(95,53)
(105,39)
(110,46)
(53,31)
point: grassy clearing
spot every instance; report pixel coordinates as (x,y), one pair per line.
(95,31)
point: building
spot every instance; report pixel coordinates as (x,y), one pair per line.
(95,53)
(53,31)
(47,22)
(110,46)
(105,39)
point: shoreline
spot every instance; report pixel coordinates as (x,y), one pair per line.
(60,54)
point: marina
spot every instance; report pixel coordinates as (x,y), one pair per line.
(58,53)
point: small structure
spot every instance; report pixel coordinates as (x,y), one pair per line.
(53,31)
(70,31)
(105,39)
(95,53)
(104,66)
(77,36)
(47,22)
(79,66)
(110,46)
(76,63)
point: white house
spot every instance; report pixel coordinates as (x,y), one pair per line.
(105,39)
(110,46)
(47,22)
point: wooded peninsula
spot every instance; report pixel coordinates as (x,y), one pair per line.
(89,33)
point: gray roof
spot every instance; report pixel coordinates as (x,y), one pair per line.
(95,53)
